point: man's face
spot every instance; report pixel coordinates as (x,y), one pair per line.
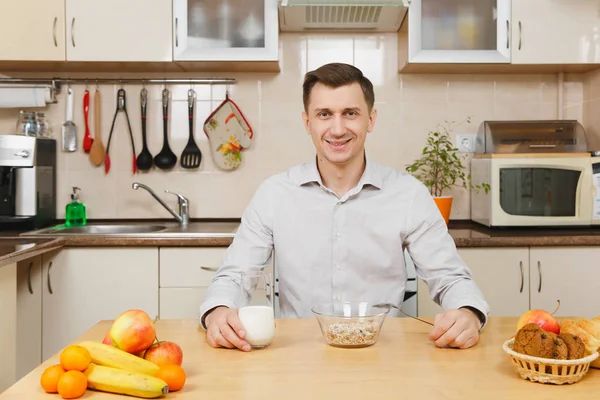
(338,121)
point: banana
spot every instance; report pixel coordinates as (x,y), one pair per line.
(110,356)
(120,381)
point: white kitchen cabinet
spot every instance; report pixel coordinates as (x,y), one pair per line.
(29,315)
(32,30)
(459,31)
(118,30)
(185,274)
(83,286)
(502,274)
(225,30)
(555,32)
(8,331)
(568,274)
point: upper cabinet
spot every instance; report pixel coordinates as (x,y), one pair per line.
(118,31)
(555,32)
(225,30)
(459,31)
(32,30)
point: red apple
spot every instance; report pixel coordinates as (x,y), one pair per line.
(107,340)
(164,353)
(543,318)
(132,331)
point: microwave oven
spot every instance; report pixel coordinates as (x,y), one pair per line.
(537,191)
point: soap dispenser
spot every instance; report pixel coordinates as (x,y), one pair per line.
(75,211)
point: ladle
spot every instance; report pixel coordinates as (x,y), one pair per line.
(166,159)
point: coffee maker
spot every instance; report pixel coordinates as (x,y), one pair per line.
(27,182)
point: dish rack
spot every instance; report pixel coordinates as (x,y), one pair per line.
(546,370)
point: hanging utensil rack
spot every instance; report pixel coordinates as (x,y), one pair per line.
(57,83)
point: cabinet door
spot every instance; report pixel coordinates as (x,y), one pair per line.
(554,32)
(118,30)
(83,286)
(568,274)
(32,30)
(8,331)
(225,30)
(459,31)
(181,303)
(29,315)
(502,274)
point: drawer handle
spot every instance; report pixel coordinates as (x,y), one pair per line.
(507,35)
(29,287)
(176,32)
(54,31)
(73,32)
(540,274)
(522,276)
(213,269)
(50,283)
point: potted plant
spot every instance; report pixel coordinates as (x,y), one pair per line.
(440,168)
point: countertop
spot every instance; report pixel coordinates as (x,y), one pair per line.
(464,233)
(300,365)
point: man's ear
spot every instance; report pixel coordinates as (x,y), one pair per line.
(305,120)
(372,118)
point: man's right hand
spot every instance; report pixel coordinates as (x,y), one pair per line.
(224,329)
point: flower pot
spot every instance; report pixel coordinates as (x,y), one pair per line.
(444,204)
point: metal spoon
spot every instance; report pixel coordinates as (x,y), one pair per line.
(390,305)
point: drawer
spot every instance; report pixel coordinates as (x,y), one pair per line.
(184,303)
(189,267)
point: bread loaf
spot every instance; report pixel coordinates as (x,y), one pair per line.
(589,332)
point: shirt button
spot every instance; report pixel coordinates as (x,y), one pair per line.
(338,297)
(337,266)
(338,235)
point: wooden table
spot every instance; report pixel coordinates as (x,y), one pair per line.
(403,364)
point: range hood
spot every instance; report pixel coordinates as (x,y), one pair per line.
(342,15)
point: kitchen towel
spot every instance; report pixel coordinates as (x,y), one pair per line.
(24,96)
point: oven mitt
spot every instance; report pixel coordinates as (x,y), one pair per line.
(228,133)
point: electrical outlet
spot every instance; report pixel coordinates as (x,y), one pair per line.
(465,142)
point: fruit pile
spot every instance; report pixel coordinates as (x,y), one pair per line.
(130,361)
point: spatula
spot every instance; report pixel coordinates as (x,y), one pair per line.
(191,155)
(69,129)
(97,150)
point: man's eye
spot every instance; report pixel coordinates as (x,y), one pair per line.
(323,114)
(352,113)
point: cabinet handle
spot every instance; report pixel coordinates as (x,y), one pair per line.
(507,35)
(213,269)
(540,275)
(29,287)
(50,283)
(522,276)
(520,35)
(54,32)
(72,30)
(176,32)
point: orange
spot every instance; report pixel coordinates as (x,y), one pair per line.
(72,384)
(50,377)
(174,375)
(75,358)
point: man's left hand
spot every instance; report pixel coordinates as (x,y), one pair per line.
(456,328)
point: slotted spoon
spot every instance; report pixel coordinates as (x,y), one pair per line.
(191,155)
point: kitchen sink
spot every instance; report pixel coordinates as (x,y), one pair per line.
(193,229)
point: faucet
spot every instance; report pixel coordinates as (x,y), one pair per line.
(184,206)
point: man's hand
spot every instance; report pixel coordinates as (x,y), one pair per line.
(456,328)
(224,329)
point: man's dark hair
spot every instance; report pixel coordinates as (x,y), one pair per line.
(335,75)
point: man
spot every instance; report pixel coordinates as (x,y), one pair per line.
(339,225)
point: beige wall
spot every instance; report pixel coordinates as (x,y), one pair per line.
(408,106)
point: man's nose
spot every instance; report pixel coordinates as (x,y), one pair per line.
(337,125)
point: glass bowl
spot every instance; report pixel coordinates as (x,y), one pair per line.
(350,324)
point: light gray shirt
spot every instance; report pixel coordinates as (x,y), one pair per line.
(327,248)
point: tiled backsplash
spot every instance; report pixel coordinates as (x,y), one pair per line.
(408,106)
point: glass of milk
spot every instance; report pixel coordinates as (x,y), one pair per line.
(256,310)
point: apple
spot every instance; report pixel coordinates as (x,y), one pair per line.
(164,353)
(107,340)
(542,318)
(132,331)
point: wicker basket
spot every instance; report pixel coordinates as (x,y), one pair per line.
(546,370)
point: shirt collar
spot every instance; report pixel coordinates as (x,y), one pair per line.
(310,173)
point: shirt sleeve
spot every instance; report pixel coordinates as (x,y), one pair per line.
(436,259)
(250,250)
